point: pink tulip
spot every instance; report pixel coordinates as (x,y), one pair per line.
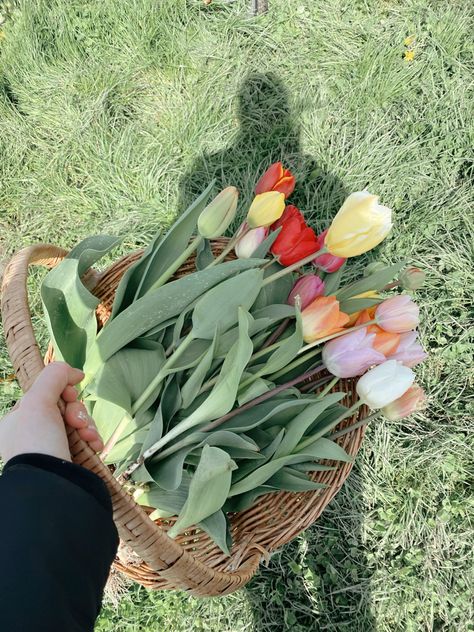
(412,400)
(352,354)
(247,244)
(409,352)
(327,262)
(397,314)
(307,288)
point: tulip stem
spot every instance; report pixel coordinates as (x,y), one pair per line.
(293,365)
(232,241)
(358,424)
(261,398)
(336,335)
(277,333)
(184,256)
(294,266)
(328,387)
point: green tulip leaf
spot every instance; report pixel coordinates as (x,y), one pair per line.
(297,427)
(175,241)
(218,308)
(290,481)
(208,489)
(192,386)
(123,378)
(287,350)
(332,281)
(157,307)
(375,282)
(130,281)
(204,256)
(68,305)
(320,449)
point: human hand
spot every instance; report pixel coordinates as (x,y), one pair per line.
(35,423)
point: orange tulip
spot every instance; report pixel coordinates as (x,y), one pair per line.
(322,318)
(384,342)
(353,317)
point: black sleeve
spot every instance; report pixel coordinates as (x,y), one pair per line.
(57,542)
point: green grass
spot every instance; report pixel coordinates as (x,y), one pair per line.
(114,113)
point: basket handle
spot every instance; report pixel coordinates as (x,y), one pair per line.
(19,335)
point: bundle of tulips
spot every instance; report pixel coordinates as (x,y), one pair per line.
(216,387)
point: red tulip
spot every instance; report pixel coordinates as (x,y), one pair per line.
(327,262)
(276,178)
(296,240)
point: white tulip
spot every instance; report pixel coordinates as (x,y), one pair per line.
(384,384)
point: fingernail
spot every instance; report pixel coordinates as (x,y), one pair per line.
(83,416)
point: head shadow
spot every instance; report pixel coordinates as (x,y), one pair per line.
(269,130)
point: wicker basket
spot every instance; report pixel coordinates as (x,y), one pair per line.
(191,562)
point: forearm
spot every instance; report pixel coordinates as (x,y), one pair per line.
(57,542)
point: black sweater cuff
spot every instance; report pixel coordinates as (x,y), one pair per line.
(87,480)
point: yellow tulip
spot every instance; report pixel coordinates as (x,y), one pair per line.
(265,209)
(360,224)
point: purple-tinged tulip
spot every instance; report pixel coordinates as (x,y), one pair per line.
(397,314)
(409,352)
(307,289)
(352,354)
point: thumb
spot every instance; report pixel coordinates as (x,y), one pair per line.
(52,381)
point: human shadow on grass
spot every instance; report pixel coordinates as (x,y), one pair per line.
(326,586)
(268,132)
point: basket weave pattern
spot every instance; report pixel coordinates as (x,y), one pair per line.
(191,562)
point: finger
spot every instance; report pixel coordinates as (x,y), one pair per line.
(76,415)
(89,434)
(52,381)
(69,394)
(97,446)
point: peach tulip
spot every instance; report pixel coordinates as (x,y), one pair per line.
(412,400)
(322,318)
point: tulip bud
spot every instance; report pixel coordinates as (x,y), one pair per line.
(360,225)
(384,384)
(307,288)
(216,218)
(352,354)
(412,400)
(322,318)
(373,267)
(412,278)
(327,262)
(265,209)
(397,314)
(409,352)
(249,242)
